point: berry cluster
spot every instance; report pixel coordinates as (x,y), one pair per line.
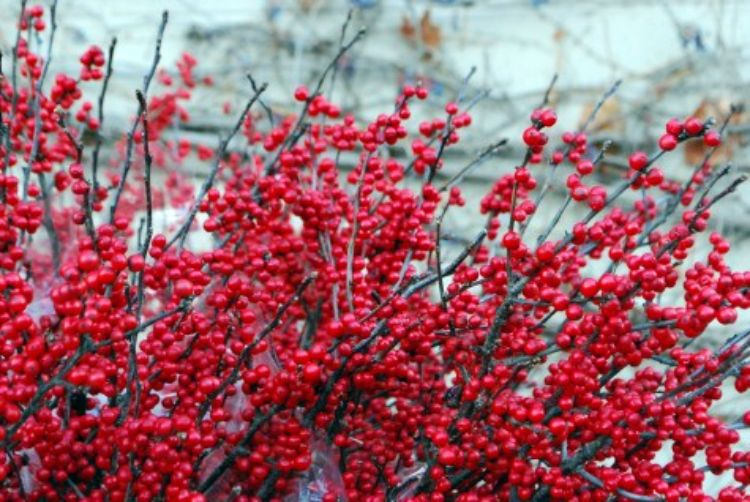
(307,330)
(92,61)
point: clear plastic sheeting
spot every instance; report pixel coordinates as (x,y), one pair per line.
(410,477)
(322,478)
(41,306)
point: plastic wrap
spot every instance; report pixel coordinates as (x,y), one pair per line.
(27,469)
(322,478)
(410,477)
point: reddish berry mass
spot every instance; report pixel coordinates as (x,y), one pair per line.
(306,327)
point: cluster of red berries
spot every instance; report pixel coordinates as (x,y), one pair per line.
(92,62)
(305,331)
(33,17)
(677,131)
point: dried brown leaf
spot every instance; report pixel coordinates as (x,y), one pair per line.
(431,36)
(407,29)
(608,119)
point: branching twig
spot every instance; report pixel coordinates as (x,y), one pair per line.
(100,119)
(37,103)
(299,125)
(14,83)
(131,135)
(479,160)
(149,203)
(353,236)
(231,457)
(247,351)
(181,234)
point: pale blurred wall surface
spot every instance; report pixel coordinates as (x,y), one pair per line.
(670,54)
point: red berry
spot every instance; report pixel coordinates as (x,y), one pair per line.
(667,142)
(301,93)
(545,252)
(712,139)
(447,456)
(88,261)
(589,287)
(97,379)
(311,373)
(136,263)
(183,288)
(548,118)
(693,126)
(727,315)
(585,167)
(532,136)
(674,127)
(638,161)
(511,240)
(209,384)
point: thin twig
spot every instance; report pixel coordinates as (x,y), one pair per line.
(266,108)
(247,351)
(182,232)
(294,134)
(149,196)
(479,160)
(231,457)
(14,82)
(100,119)
(551,174)
(36,106)
(353,236)
(131,135)
(335,71)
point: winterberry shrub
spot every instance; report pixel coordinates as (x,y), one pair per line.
(321,342)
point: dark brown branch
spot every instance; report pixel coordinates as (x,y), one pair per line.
(548,92)
(556,219)
(87,201)
(335,70)
(36,104)
(294,134)
(149,197)
(231,457)
(550,175)
(14,83)
(132,337)
(479,160)
(100,118)
(247,351)
(266,108)
(181,234)
(353,236)
(620,491)
(131,135)
(35,402)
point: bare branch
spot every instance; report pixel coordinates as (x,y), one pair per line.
(131,135)
(181,234)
